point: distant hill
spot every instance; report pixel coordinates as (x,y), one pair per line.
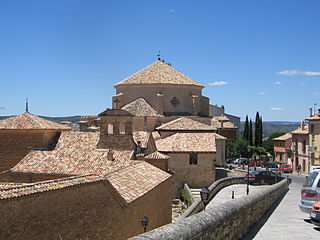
(72,119)
(270,127)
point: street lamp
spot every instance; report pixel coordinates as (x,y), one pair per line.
(145,222)
(204,194)
(249,148)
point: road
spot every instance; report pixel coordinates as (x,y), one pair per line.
(285,220)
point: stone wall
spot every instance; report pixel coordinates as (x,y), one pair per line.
(200,174)
(16,144)
(226,222)
(88,211)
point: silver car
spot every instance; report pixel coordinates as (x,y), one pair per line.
(310,191)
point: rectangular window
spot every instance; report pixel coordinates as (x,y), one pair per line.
(311,128)
(193,158)
(304,146)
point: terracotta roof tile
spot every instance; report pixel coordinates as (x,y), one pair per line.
(283,137)
(156,135)
(189,142)
(184,123)
(222,122)
(75,154)
(314,117)
(134,181)
(157,155)
(159,72)
(140,107)
(300,130)
(30,121)
(142,136)
(7,192)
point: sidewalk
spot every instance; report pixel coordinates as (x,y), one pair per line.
(286,221)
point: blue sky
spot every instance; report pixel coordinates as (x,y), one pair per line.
(252,55)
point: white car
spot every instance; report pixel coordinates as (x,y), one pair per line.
(310,191)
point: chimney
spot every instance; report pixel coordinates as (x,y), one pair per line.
(310,110)
(302,125)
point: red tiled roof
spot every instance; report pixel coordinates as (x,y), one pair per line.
(76,153)
(30,121)
(283,137)
(134,181)
(157,155)
(140,107)
(142,136)
(301,130)
(189,142)
(159,72)
(314,117)
(184,123)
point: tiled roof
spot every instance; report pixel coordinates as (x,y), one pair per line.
(300,130)
(75,154)
(156,135)
(157,155)
(314,117)
(222,118)
(159,72)
(222,123)
(189,142)
(184,123)
(283,137)
(7,192)
(140,107)
(30,121)
(142,136)
(135,181)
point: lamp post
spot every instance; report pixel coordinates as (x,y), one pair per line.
(204,194)
(249,151)
(145,222)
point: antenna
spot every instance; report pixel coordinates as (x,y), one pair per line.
(27,106)
(158,55)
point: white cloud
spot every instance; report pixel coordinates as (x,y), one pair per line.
(276,109)
(218,83)
(278,83)
(171,10)
(302,84)
(297,72)
(262,93)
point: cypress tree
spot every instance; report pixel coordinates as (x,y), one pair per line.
(246,129)
(260,131)
(257,130)
(250,134)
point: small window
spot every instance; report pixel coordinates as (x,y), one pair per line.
(193,158)
(311,128)
(304,146)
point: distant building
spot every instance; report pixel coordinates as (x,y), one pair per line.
(282,149)
(314,138)
(300,145)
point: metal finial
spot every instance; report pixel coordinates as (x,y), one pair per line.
(27,106)
(158,55)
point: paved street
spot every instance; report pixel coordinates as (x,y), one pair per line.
(286,221)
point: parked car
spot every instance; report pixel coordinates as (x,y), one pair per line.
(285,168)
(312,168)
(262,177)
(253,162)
(310,192)
(241,161)
(315,213)
(275,170)
(271,165)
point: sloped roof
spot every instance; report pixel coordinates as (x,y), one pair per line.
(157,155)
(76,153)
(222,118)
(189,142)
(156,135)
(184,123)
(300,130)
(134,181)
(142,136)
(314,117)
(140,107)
(30,121)
(283,137)
(221,124)
(159,72)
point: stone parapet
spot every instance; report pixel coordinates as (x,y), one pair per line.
(230,221)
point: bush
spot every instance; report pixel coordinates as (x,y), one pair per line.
(184,197)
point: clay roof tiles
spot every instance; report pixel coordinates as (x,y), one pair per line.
(283,137)
(142,136)
(29,121)
(140,107)
(184,123)
(301,130)
(159,72)
(314,117)
(189,142)
(157,155)
(75,154)
(134,181)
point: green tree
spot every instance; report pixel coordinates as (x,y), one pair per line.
(237,147)
(268,144)
(246,129)
(250,134)
(258,131)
